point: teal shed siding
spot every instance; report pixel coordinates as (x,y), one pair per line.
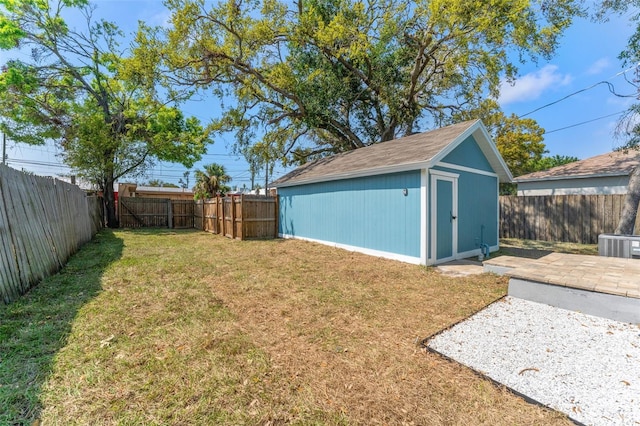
(477,197)
(365,209)
(369,212)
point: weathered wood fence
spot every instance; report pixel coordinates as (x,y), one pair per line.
(239,216)
(136,212)
(43,221)
(568,218)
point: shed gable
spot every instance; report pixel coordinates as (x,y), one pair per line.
(469,154)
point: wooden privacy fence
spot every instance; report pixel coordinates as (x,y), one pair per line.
(239,216)
(568,218)
(42,222)
(136,212)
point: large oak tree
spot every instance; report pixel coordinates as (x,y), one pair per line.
(316,77)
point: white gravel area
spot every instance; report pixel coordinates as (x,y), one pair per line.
(585,366)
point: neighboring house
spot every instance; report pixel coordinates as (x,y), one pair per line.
(426,198)
(603,174)
(133,190)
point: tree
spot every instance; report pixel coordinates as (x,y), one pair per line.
(519,140)
(160,183)
(211,181)
(318,77)
(546,163)
(629,128)
(77,88)
(629,125)
(184,180)
(260,156)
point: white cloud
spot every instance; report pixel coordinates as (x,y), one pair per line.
(161,18)
(531,86)
(598,66)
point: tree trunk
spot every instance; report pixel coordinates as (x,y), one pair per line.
(110,204)
(630,208)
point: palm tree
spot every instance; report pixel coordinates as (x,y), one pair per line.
(211,181)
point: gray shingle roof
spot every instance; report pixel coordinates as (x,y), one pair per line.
(616,163)
(416,149)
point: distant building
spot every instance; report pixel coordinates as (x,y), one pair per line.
(603,174)
(134,190)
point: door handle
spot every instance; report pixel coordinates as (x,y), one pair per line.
(452,216)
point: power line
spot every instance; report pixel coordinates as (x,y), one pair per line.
(610,86)
(36,163)
(585,122)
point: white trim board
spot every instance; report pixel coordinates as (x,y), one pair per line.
(387,255)
(370,252)
(444,174)
(466,169)
(424,217)
(453,178)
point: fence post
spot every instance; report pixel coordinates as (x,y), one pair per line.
(276,203)
(221,218)
(243,231)
(170,213)
(203,218)
(233,217)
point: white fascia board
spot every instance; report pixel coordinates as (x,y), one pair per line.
(495,153)
(398,168)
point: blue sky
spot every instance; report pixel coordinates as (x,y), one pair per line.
(587,56)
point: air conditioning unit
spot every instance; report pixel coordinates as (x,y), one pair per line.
(612,245)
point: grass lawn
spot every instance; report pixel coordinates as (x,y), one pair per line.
(160,327)
(537,249)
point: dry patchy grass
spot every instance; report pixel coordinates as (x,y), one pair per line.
(537,249)
(192,328)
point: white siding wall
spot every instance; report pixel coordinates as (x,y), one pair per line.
(586,186)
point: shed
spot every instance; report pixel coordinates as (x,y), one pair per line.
(427,198)
(603,174)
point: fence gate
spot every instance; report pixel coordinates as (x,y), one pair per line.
(182,214)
